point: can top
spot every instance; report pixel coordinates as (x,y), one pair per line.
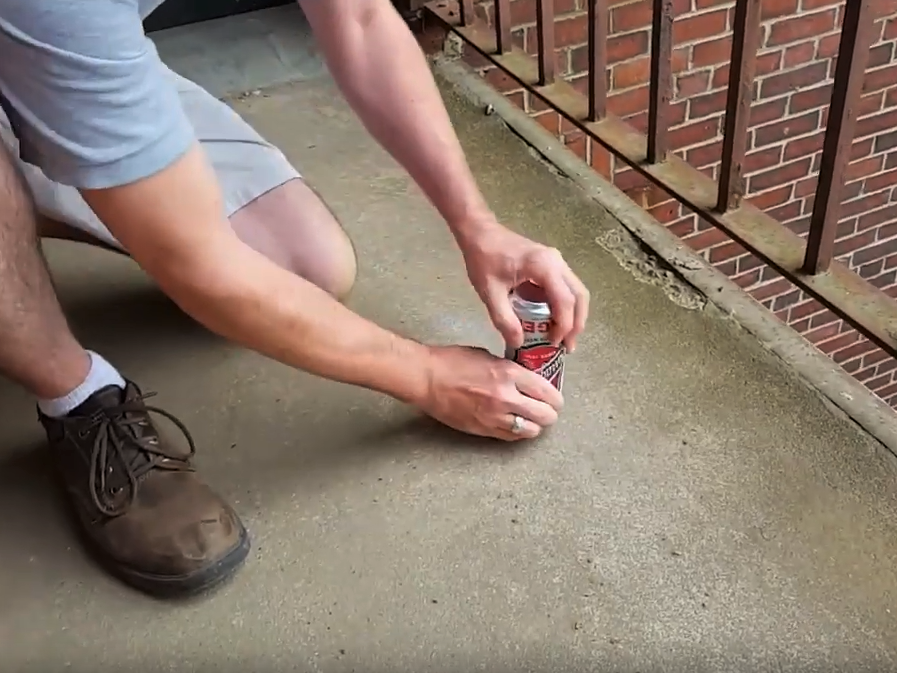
(532,293)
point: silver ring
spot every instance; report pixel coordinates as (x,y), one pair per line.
(517,424)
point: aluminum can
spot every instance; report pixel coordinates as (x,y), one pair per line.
(537,353)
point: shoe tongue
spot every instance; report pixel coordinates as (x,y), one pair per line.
(105,397)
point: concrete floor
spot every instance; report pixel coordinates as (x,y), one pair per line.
(696,509)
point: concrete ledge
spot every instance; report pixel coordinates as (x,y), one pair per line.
(844,392)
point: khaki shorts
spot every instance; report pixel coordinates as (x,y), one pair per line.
(246,165)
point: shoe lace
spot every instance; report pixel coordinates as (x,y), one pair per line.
(119,436)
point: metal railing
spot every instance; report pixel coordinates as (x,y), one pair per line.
(808,264)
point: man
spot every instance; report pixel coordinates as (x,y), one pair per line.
(115,149)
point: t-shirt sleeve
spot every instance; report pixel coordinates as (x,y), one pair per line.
(89,98)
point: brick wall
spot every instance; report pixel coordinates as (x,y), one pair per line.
(795,70)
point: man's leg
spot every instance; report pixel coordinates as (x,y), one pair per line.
(139,504)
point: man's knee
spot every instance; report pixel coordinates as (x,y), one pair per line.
(294,228)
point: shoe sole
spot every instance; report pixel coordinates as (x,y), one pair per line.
(173,587)
(192,584)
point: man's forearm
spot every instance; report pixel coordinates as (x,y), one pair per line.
(171,225)
(383,74)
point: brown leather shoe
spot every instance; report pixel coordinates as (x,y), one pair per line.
(147,516)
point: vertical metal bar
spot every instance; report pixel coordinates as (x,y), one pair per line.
(597,59)
(661,80)
(853,53)
(746,40)
(466,12)
(503,25)
(545,30)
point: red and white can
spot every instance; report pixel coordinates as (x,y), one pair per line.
(537,353)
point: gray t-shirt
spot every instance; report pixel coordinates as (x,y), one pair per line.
(90,100)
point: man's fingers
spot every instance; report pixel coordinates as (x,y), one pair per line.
(580,309)
(526,429)
(538,388)
(560,299)
(540,413)
(498,303)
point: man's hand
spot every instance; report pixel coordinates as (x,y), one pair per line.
(475,392)
(498,260)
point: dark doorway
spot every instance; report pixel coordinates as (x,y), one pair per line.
(180,12)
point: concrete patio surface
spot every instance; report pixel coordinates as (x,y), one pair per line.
(698,508)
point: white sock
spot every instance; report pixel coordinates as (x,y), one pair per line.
(101,374)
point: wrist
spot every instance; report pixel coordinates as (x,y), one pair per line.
(414,368)
(468,229)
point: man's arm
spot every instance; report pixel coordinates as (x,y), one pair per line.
(171,224)
(95,108)
(384,76)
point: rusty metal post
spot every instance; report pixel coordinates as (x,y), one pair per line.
(545,31)
(597,59)
(746,39)
(853,54)
(467,13)
(661,80)
(503,25)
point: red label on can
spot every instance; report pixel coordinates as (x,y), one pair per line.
(544,359)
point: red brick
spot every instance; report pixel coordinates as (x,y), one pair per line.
(571,30)
(524,11)
(804,147)
(801,27)
(864,204)
(619,48)
(786,212)
(695,27)
(828,46)
(881,78)
(635,15)
(806,309)
(881,181)
(550,120)
(772,289)
(874,252)
(886,121)
(794,126)
(767,63)
(638,71)
(762,159)
(809,99)
(629,102)
(779,176)
(707,104)
(787,82)
(855,351)
(666,211)
(846,246)
(501,81)
(692,84)
(628,180)
(768,111)
(771,9)
(820,334)
(712,52)
(707,239)
(863,167)
(799,54)
(876,218)
(885,141)
(694,133)
(839,342)
(704,155)
(772,198)
(684,227)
